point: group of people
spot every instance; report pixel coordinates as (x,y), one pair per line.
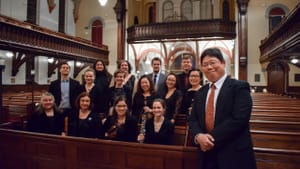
(112,107)
(109,106)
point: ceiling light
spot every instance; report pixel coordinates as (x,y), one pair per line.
(9,54)
(50,60)
(294,60)
(102,2)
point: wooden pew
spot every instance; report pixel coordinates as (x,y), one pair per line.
(271,125)
(25,150)
(276,139)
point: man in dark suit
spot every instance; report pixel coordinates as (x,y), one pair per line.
(219,122)
(65,89)
(157,76)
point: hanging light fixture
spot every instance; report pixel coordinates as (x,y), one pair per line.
(102,2)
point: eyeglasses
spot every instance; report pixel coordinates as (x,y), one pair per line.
(121,106)
(194,76)
(210,63)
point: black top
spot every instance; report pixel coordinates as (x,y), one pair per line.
(98,98)
(173,104)
(41,123)
(181,82)
(139,102)
(130,84)
(91,127)
(164,136)
(102,81)
(116,92)
(187,101)
(125,132)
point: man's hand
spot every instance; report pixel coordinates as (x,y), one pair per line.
(206,142)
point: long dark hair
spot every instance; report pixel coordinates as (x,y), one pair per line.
(139,88)
(105,71)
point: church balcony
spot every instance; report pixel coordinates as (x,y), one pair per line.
(215,29)
(284,41)
(33,39)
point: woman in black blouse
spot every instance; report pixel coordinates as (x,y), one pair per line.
(97,96)
(143,99)
(103,77)
(173,97)
(47,118)
(84,122)
(159,130)
(119,89)
(121,126)
(129,80)
(195,78)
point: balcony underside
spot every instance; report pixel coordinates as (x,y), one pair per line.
(31,39)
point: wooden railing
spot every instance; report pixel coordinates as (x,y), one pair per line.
(209,29)
(285,38)
(28,38)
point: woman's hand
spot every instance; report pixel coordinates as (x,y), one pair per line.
(141,138)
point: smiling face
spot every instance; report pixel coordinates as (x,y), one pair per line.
(213,68)
(89,77)
(156,66)
(171,81)
(64,70)
(47,102)
(119,78)
(186,64)
(85,102)
(99,66)
(124,67)
(121,108)
(158,109)
(194,78)
(145,84)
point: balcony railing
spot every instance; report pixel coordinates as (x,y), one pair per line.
(28,38)
(185,30)
(283,41)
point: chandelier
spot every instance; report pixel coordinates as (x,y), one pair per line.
(102,2)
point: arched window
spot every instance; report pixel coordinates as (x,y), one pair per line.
(97,33)
(152,13)
(187,9)
(275,16)
(168,8)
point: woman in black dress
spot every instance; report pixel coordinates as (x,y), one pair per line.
(143,99)
(172,96)
(119,89)
(84,122)
(98,97)
(159,130)
(102,81)
(129,80)
(195,78)
(47,118)
(121,126)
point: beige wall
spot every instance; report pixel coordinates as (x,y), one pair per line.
(88,12)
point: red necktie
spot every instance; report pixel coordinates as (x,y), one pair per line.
(209,116)
(186,81)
